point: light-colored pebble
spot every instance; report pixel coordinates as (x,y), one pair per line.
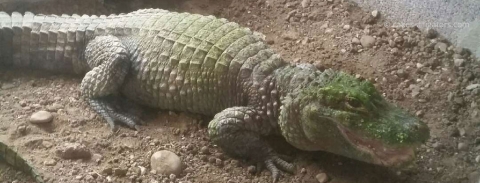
(41,117)
(367,41)
(166,163)
(322,177)
(73,151)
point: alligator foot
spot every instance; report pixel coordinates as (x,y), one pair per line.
(239,132)
(105,109)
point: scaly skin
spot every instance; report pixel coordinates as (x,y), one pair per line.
(201,64)
(8,155)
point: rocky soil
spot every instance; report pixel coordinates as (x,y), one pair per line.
(419,71)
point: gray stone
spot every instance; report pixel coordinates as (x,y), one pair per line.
(73,151)
(166,163)
(459,62)
(462,146)
(355,41)
(41,117)
(367,41)
(290,35)
(305,3)
(472,86)
(322,177)
(441,46)
(375,13)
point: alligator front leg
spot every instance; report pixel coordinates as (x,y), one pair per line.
(107,57)
(238,131)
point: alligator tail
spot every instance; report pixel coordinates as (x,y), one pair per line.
(9,156)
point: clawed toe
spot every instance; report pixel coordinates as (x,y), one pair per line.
(275,164)
(111,115)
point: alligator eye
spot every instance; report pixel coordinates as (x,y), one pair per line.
(354,103)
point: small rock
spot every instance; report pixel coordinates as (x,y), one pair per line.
(97,157)
(419,65)
(303,171)
(50,162)
(401,73)
(204,150)
(252,169)
(291,4)
(454,132)
(472,86)
(375,13)
(120,172)
(477,159)
(419,113)
(346,27)
(73,151)
(166,162)
(107,171)
(54,107)
(41,117)
(462,146)
(367,41)
(355,41)
(322,177)
(305,3)
(441,46)
(458,62)
(462,132)
(23,103)
(431,33)
(459,50)
(290,35)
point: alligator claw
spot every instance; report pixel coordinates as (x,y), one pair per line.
(104,109)
(275,164)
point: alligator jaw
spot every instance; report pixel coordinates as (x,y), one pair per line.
(381,154)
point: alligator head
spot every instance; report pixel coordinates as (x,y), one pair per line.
(340,114)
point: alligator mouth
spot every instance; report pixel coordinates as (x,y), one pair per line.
(380,152)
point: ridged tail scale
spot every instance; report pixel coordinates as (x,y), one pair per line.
(8,155)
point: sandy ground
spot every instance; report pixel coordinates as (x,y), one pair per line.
(413,71)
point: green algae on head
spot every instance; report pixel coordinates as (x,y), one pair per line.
(341,114)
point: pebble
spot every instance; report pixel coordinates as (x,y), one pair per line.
(305,3)
(290,35)
(477,159)
(54,107)
(367,41)
(346,27)
(97,158)
(375,13)
(472,86)
(355,41)
(441,46)
(41,117)
(431,33)
(73,151)
(462,146)
(50,162)
(252,169)
(458,62)
(322,177)
(120,172)
(166,162)
(204,150)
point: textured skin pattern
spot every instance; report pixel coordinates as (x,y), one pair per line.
(8,155)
